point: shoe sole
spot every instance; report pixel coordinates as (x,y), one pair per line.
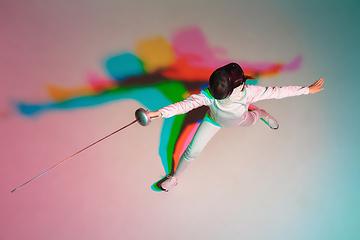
(277,127)
(161,181)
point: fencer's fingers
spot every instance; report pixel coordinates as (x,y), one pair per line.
(316,86)
(319,82)
(151,114)
(154,115)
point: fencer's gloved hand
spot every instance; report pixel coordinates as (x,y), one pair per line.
(154,114)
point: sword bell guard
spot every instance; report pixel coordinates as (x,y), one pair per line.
(142,116)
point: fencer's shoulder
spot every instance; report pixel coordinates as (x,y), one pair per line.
(206,93)
(254,88)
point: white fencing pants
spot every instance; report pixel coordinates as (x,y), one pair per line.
(207,129)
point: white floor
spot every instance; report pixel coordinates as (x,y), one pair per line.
(299,182)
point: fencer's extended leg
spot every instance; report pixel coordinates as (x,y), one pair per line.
(204,133)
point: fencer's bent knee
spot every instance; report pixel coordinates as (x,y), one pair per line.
(191,153)
(202,136)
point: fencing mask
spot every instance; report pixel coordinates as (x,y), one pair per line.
(223,80)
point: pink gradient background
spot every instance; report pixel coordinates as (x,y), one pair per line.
(299,182)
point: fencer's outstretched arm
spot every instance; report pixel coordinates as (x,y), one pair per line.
(313,88)
(316,86)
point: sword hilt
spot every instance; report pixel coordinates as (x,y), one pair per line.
(143,117)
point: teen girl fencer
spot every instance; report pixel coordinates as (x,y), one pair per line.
(228,99)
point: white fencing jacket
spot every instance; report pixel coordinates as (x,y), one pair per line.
(231,111)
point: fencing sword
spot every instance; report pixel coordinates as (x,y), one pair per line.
(142,116)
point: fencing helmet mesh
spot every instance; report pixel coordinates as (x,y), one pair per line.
(223,80)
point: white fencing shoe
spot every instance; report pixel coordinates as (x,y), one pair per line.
(170,182)
(270,121)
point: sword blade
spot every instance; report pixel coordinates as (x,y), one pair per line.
(74,155)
